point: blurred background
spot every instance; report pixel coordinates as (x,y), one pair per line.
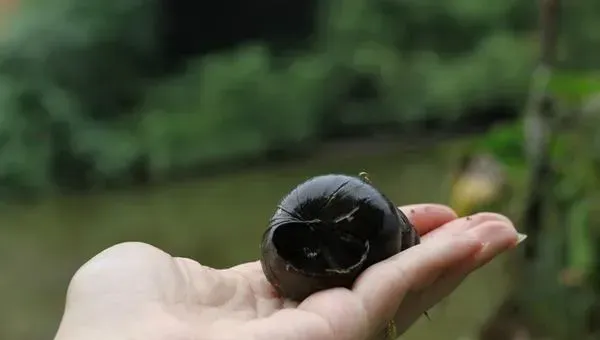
(182,124)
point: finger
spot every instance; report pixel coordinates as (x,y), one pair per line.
(464,224)
(427,217)
(498,236)
(382,287)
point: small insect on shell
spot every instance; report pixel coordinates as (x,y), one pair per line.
(327,231)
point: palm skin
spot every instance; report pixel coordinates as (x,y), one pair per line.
(136,291)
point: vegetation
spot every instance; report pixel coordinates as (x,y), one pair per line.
(90,97)
(556,291)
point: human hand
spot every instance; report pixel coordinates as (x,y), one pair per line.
(136,291)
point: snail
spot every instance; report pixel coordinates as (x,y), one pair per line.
(327,231)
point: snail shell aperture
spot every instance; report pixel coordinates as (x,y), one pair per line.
(327,231)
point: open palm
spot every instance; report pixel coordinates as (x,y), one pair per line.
(136,291)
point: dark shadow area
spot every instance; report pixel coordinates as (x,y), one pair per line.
(193,28)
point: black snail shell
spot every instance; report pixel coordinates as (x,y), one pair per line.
(327,231)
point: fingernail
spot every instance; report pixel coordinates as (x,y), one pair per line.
(520,238)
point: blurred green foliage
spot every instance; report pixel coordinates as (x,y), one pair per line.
(82,103)
(566,299)
(576,160)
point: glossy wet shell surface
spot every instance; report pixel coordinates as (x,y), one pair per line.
(327,231)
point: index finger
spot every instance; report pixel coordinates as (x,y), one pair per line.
(427,217)
(382,286)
